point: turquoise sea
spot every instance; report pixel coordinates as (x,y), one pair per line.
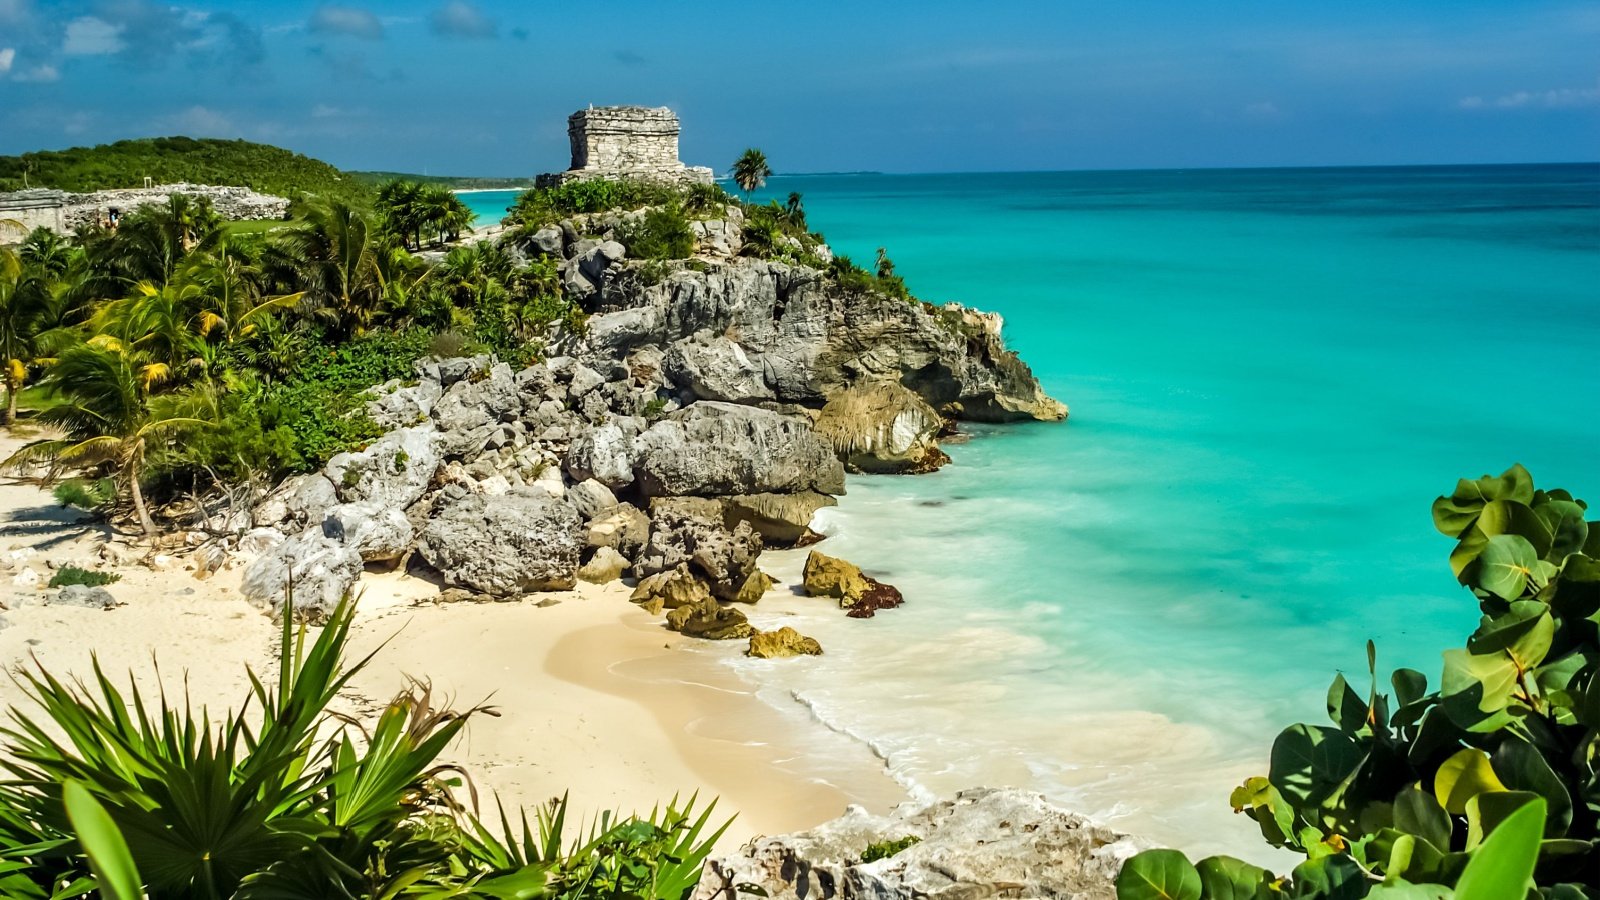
(1272,373)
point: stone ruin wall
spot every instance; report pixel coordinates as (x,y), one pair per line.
(64,212)
(626,142)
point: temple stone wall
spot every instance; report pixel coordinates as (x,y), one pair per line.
(63,212)
(626,142)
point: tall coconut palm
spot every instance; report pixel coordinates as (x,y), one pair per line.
(152,242)
(109,419)
(332,260)
(750,171)
(400,205)
(21,302)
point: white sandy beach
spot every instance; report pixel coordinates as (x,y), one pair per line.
(593,696)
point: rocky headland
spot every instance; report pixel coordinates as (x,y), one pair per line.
(704,410)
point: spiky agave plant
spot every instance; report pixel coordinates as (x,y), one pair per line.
(287,800)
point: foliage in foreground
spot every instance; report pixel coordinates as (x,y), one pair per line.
(1404,799)
(70,575)
(288,800)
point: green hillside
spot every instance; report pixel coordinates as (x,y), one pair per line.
(271,170)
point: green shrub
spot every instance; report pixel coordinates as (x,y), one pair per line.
(1406,789)
(85,494)
(547,205)
(886,849)
(284,798)
(663,233)
(69,575)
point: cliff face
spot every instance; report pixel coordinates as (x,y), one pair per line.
(809,339)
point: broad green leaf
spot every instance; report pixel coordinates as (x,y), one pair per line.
(1524,632)
(1521,767)
(1486,811)
(1226,878)
(1568,530)
(1464,558)
(1403,891)
(1477,688)
(1330,878)
(1462,777)
(1309,762)
(109,859)
(1345,707)
(1158,875)
(1262,802)
(1409,686)
(1505,565)
(1502,868)
(1417,812)
(1452,514)
(1511,517)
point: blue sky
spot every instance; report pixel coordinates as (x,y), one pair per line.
(477,87)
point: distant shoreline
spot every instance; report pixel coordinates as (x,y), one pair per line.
(490,190)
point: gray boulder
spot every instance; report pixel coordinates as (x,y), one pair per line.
(624,529)
(378,533)
(394,405)
(584,380)
(604,453)
(714,449)
(715,368)
(548,240)
(503,546)
(725,558)
(321,571)
(780,519)
(298,502)
(606,566)
(393,472)
(984,843)
(882,427)
(591,498)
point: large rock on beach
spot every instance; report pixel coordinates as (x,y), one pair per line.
(725,558)
(882,427)
(783,643)
(716,368)
(391,473)
(605,454)
(710,621)
(670,590)
(319,570)
(378,533)
(780,519)
(863,595)
(518,542)
(984,843)
(712,449)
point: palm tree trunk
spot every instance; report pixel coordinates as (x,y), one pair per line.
(139,509)
(11,402)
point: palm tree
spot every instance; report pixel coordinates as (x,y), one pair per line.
(152,242)
(794,212)
(20,306)
(331,259)
(400,205)
(750,171)
(109,418)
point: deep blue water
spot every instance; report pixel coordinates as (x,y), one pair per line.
(1272,373)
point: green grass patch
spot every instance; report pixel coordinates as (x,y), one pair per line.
(70,575)
(254,226)
(886,849)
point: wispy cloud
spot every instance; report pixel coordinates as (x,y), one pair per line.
(462,19)
(39,74)
(7,56)
(92,36)
(201,121)
(347,20)
(1558,98)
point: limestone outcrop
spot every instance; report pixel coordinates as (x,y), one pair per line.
(514,543)
(311,571)
(861,594)
(883,427)
(782,643)
(712,449)
(984,843)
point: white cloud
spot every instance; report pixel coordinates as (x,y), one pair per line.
(346,20)
(324,111)
(91,36)
(200,121)
(39,74)
(1559,98)
(7,55)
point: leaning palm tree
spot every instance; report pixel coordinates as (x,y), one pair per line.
(750,172)
(109,419)
(332,259)
(22,301)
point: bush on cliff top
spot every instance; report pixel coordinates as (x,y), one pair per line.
(1407,790)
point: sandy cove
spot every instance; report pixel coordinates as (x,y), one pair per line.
(594,697)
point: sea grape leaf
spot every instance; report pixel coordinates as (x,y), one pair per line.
(1568,530)
(1262,802)
(1345,706)
(1330,878)
(1308,762)
(1510,517)
(1452,514)
(1158,875)
(1503,867)
(1524,632)
(1462,777)
(1505,565)
(1226,878)
(1401,890)
(1521,767)
(1476,689)
(1487,810)
(1417,812)
(1466,553)
(1409,686)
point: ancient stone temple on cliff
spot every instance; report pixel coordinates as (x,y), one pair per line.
(626,142)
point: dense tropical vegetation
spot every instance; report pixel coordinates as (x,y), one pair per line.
(168,160)
(1403,793)
(128,796)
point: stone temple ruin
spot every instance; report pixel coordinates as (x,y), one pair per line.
(63,212)
(626,142)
